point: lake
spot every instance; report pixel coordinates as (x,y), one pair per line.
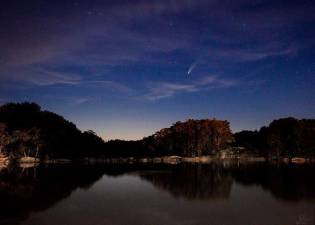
(222,193)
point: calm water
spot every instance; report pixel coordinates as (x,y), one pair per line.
(219,194)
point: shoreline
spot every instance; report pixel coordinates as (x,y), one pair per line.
(26,162)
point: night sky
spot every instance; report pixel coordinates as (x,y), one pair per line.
(128,68)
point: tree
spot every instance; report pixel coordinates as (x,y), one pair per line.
(283,137)
(192,138)
(29,131)
(4,137)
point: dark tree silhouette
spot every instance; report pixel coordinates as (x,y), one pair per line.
(284,137)
(26,130)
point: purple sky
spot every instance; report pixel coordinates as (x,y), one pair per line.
(128,68)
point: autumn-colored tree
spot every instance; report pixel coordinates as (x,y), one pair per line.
(193,138)
(4,137)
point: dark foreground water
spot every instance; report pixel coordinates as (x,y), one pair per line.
(219,194)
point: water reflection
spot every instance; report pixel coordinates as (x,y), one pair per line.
(193,181)
(286,182)
(214,181)
(23,190)
(29,190)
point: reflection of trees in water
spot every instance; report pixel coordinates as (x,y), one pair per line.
(36,189)
(24,191)
(214,181)
(285,182)
(193,181)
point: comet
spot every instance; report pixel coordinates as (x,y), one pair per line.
(191,68)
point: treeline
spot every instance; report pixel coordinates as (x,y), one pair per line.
(287,137)
(26,130)
(191,138)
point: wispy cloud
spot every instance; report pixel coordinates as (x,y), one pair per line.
(81,100)
(98,39)
(38,76)
(70,100)
(122,35)
(164,89)
(245,55)
(108,85)
(43,77)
